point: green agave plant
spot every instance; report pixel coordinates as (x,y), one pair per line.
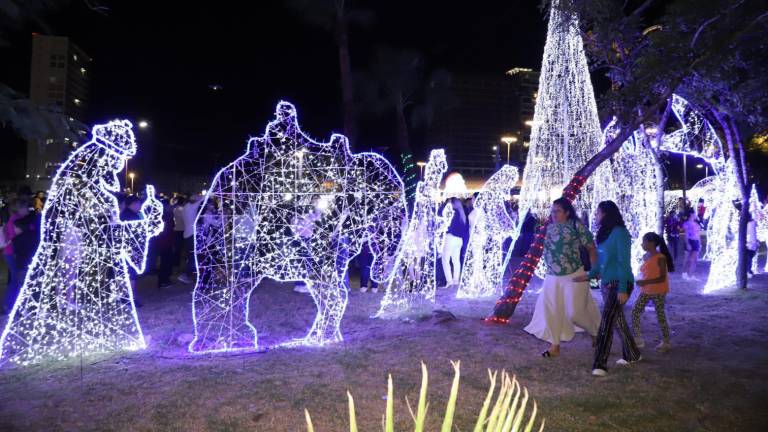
(506,414)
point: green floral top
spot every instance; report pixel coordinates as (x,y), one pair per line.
(561,247)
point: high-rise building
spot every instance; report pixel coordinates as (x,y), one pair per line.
(58,84)
(526,83)
(487,109)
(470,129)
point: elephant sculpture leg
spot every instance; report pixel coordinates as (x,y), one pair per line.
(221,317)
(331,300)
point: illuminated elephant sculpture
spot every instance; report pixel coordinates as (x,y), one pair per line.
(290,209)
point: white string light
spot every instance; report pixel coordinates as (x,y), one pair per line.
(633,187)
(413,278)
(566,128)
(76,298)
(484,262)
(290,209)
(722,235)
(756,210)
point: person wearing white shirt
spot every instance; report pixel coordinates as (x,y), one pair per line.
(189,214)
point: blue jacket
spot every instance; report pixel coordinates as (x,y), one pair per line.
(614,259)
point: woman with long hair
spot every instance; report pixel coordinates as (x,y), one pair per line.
(564,305)
(615,271)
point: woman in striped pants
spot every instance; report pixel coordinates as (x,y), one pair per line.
(615,271)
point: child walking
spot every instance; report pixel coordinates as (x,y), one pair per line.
(654,286)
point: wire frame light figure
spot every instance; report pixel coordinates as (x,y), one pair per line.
(290,209)
(761,224)
(413,279)
(76,298)
(696,135)
(723,231)
(566,128)
(484,261)
(634,187)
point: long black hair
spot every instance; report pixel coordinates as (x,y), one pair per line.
(662,245)
(611,219)
(567,207)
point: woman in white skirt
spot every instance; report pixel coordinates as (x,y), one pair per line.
(564,306)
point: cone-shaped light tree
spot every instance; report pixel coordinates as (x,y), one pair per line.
(565,129)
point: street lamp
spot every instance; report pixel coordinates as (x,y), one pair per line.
(421,168)
(706,169)
(508,140)
(132,176)
(143,124)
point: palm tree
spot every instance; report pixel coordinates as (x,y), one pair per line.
(396,83)
(336,16)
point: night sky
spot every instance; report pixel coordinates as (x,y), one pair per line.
(156,60)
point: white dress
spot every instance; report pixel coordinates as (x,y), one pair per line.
(563,308)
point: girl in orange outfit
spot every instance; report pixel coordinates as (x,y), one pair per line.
(654,286)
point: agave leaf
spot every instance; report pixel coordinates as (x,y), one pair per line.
(389,425)
(486,403)
(497,406)
(352,419)
(513,411)
(504,408)
(529,426)
(451,408)
(421,413)
(309,421)
(520,411)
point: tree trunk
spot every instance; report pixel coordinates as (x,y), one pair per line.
(659,167)
(347,85)
(403,143)
(743,267)
(735,153)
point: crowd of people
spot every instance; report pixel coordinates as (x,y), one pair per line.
(572,256)
(20,217)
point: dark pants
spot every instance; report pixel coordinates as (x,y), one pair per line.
(189,246)
(364,260)
(166,266)
(15,281)
(672,243)
(613,314)
(178,247)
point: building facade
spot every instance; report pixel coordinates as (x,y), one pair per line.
(487,109)
(59,85)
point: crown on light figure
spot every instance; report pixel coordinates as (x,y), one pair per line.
(117,136)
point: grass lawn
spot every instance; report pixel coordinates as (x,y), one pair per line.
(714,379)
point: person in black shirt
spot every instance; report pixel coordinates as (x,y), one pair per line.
(27,226)
(165,243)
(457,230)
